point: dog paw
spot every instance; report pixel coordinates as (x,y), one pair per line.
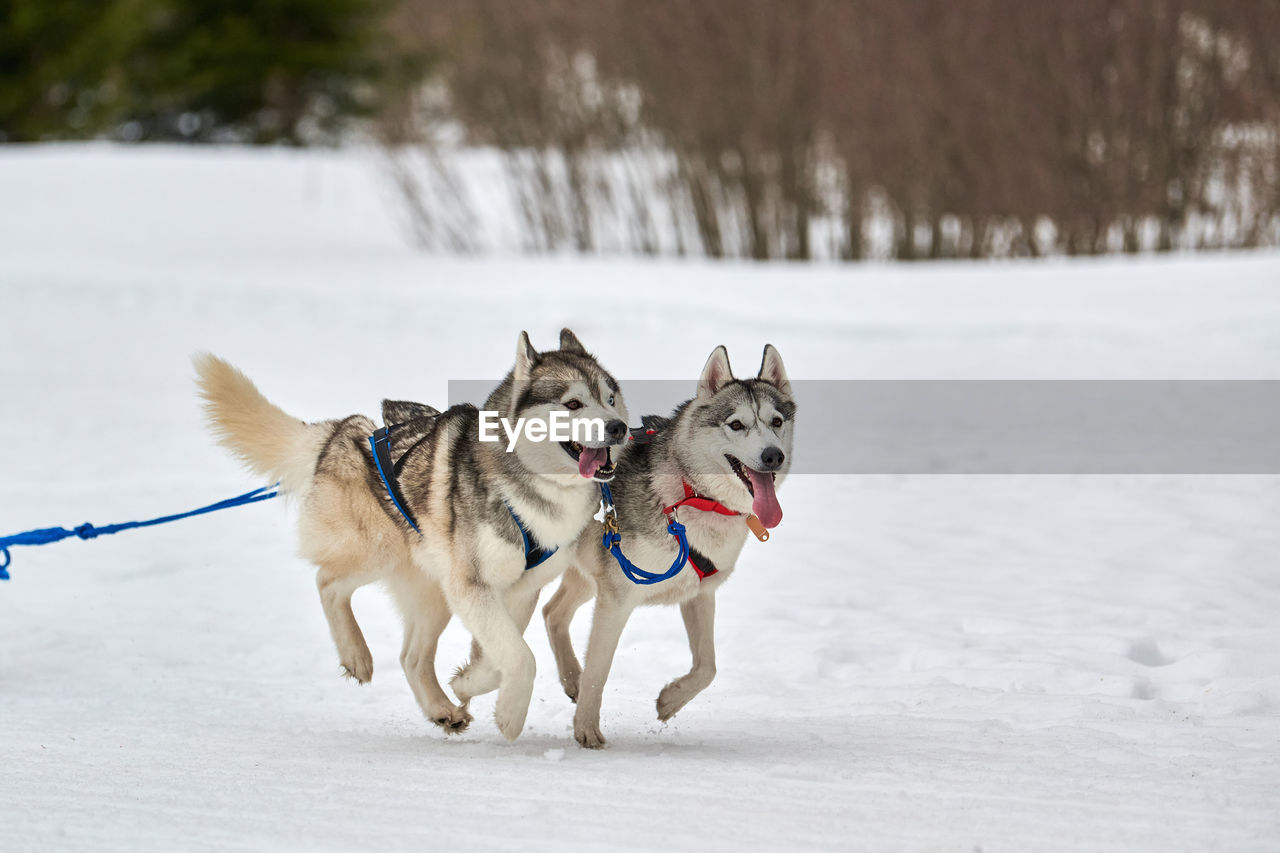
(509,714)
(510,725)
(672,698)
(453,719)
(588,735)
(459,684)
(681,692)
(474,679)
(569,681)
(359,667)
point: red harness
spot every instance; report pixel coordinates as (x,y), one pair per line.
(698,502)
(644,435)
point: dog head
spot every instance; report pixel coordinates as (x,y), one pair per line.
(565,388)
(735,437)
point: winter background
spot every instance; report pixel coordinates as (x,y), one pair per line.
(924,663)
(911,662)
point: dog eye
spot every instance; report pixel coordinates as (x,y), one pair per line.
(573,405)
(777,422)
(610,399)
(736,426)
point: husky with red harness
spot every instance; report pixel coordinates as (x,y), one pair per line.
(676,517)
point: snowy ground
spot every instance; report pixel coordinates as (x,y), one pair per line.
(911,663)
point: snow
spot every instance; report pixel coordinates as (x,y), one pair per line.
(910,663)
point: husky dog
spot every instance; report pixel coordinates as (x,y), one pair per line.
(719,457)
(459,535)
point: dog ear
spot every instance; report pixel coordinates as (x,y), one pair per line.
(715,373)
(526,360)
(772,371)
(569,342)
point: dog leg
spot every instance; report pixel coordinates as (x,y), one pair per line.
(336,585)
(607,622)
(485,615)
(699,615)
(576,589)
(479,676)
(425,615)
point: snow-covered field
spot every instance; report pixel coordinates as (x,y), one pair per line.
(911,663)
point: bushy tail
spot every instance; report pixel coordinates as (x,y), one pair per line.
(271,442)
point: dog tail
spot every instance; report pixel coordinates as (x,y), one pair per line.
(271,442)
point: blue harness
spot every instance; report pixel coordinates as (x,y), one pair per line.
(535,555)
(380,441)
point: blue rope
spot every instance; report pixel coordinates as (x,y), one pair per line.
(87,531)
(613,544)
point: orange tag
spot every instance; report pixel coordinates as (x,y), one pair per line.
(757,528)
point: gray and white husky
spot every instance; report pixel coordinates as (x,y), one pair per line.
(729,446)
(478,510)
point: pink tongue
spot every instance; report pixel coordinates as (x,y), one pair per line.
(591,460)
(765,505)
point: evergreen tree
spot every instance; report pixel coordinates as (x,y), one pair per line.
(255,70)
(224,70)
(60,65)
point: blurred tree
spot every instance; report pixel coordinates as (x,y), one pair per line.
(943,129)
(204,70)
(254,70)
(60,65)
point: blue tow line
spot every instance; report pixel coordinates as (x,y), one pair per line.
(612,540)
(87,531)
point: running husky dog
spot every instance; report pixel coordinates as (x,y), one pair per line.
(733,441)
(455,527)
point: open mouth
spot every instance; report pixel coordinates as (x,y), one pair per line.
(741,471)
(593,462)
(764,498)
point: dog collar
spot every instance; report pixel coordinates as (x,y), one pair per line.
(700,502)
(697,501)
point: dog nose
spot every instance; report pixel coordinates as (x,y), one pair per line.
(616,430)
(771,458)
